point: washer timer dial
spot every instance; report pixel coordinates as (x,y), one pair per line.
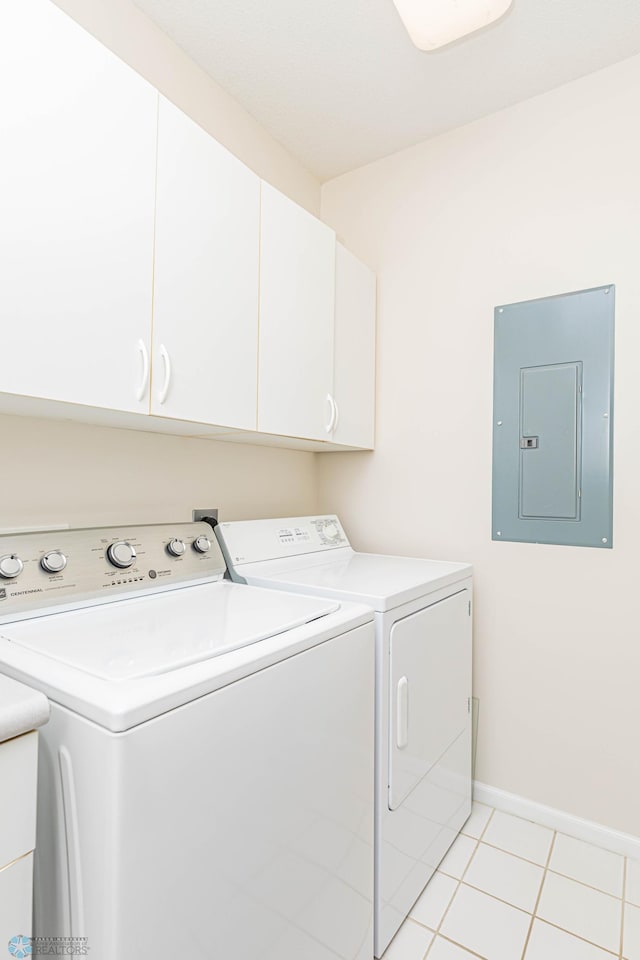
(121,554)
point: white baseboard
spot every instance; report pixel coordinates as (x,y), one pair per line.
(623,843)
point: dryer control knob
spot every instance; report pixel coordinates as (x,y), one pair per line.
(202,544)
(176,547)
(53,562)
(121,554)
(332,530)
(10,566)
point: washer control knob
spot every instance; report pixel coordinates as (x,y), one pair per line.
(121,554)
(53,562)
(202,544)
(10,566)
(176,547)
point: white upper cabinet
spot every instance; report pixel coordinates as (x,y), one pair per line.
(354,351)
(146,270)
(205,327)
(77,182)
(297,296)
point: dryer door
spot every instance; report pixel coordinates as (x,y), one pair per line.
(430,688)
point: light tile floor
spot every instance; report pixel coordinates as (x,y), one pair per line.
(512,890)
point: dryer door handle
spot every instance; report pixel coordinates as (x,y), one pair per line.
(402,713)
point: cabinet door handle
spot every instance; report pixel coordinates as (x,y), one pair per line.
(336,419)
(144,380)
(402,713)
(166,359)
(333,413)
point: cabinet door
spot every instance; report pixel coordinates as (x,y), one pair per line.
(16,884)
(354,351)
(205,313)
(77,171)
(297,296)
(18,764)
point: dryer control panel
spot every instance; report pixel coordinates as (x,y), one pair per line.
(249,541)
(48,569)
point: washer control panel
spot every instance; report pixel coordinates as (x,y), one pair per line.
(43,570)
(250,541)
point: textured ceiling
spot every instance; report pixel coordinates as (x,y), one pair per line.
(339,83)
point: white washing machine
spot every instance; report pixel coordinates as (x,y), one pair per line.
(423,685)
(205,786)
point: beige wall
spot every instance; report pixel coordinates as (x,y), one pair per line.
(536,200)
(122,27)
(70,473)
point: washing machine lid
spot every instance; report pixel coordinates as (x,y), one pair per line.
(146,636)
(381,582)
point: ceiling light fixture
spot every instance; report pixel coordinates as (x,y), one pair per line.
(434,23)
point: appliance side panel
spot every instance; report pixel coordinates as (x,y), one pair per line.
(255,802)
(74,877)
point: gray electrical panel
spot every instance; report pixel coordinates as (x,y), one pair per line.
(553,420)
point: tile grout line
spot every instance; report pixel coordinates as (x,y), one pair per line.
(589,886)
(577,936)
(460,881)
(533,863)
(549,923)
(537,903)
(454,943)
(492,896)
(571,933)
(569,836)
(624,893)
(503,850)
(478,840)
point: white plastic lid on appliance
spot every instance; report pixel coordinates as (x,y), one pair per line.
(312,555)
(381,582)
(152,635)
(125,662)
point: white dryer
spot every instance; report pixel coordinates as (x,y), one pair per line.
(205,778)
(423,685)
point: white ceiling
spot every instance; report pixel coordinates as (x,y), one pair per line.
(339,83)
